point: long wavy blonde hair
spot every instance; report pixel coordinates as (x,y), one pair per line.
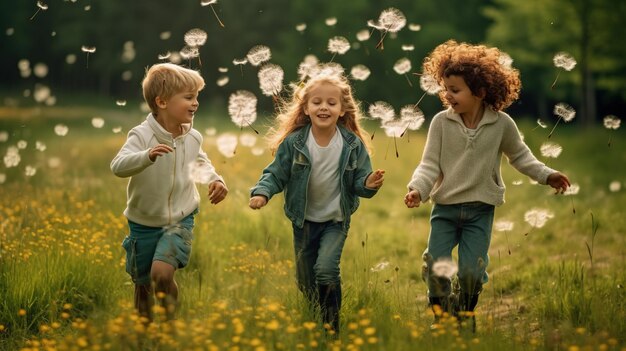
(292,117)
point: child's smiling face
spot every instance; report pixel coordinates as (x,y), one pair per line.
(460,96)
(181,107)
(324,105)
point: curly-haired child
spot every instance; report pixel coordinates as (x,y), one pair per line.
(460,167)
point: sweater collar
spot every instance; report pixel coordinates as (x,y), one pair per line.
(489,116)
(161,134)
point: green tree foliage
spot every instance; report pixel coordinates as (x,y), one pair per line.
(533,31)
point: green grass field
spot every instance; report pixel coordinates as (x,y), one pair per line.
(63,285)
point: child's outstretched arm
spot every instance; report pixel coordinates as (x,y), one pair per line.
(375,179)
(274,177)
(412,199)
(258,201)
(559,181)
(217,191)
(136,155)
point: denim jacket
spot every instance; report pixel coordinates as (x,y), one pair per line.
(291,168)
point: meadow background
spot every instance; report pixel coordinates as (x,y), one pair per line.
(62,279)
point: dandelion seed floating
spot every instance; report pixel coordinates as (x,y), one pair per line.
(615,186)
(380,266)
(121,103)
(382,111)
(301,27)
(445,268)
(402,67)
(504,226)
(408,47)
(41,6)
(307,66)
(242,109)
(414,27)
(331,69)
(271,79)
(259,54)
(200,172)
(227,144)
(88,50)
(61,130)
(195,38)
(429,85)
(390,20)
(412,116)
(540,124)
(97,122)
(240,63)
(222,81)
(360,72)
(210,3)
(338,46)
(573,189)
(564,112)
(30,171)
(189,52)
(12,158)
(164,56)
(40,146)
(505,60)
(611,123)
(549,149)
(248,139)
(394,129)
(565,61)
(331,21)
(537,218)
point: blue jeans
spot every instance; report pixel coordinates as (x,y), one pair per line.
(318,248)
(467,225)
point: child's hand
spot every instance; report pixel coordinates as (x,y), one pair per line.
(559,181)
(159,150)
(412,199)
(375,179)
(217,191)
(258,201)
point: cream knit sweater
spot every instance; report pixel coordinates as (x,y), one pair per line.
(162,192)
(457,167)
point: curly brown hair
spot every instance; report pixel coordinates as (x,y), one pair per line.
(483,68)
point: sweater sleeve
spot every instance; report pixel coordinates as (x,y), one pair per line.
(208,168)
(428,171)
(132,158)
(520,156)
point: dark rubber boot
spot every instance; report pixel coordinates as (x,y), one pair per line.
(330,305)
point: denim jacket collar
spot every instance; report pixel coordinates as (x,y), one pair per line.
(302,135)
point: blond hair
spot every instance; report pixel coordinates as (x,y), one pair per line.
(483,69)
(292,116)
(165,80)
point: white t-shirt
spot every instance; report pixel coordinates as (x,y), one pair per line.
(324,193)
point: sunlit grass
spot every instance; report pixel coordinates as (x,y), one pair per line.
(63,284)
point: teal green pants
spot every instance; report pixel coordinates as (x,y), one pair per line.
(468,226)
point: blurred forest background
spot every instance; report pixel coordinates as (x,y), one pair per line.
(43,47)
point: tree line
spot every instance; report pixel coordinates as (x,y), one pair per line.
(129,36)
